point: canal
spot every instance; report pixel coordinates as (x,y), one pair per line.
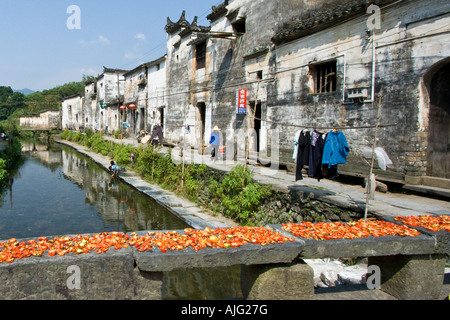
(57,191)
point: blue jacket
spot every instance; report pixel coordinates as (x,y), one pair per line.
(336,149)
(214,139)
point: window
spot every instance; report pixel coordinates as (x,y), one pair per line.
(239,26)
(324,76)
(259,75)
(200,55)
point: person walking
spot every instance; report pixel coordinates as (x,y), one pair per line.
(215,142)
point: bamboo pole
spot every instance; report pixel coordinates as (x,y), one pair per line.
(368,184)
(251,118)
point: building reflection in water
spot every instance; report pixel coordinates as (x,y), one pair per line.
(119,206)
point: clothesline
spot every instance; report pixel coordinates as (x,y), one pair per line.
(327,128)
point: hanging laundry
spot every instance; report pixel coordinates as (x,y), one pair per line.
(315,155)
(335,152)
(303,148)
(382,157)
(297,135)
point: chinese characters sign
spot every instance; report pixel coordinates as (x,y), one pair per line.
(241,101)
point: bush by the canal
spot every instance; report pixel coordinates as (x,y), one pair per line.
(8,158)
(234,195)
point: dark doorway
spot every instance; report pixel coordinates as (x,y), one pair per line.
(161,116)
(439,124)
(201,120)
(257,125)
(141,119)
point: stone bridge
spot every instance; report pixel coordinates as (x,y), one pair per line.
(410,268)
(45,121)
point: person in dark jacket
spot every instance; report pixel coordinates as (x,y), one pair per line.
(157,135)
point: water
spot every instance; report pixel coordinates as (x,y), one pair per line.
(57,191)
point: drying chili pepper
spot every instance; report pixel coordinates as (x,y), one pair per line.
(432,223)
(351,230)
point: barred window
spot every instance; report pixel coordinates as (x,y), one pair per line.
(324,76)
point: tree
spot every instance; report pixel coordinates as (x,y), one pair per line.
(5,92)
(88,78)
(10,101)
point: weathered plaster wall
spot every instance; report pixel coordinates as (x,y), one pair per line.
(73,113)
(399,71)
(135,92)
(110,90)
(156,93)
(49,120)
(91,106)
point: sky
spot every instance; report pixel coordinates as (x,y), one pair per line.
(47,43)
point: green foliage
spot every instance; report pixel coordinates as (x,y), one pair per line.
(117,134)
(239,197)
(8,158)
(10,102)
(3,171)
(88,78)
(67,135)
(121,154)
(64,90)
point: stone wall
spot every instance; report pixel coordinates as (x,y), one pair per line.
(49,120)
(110,276)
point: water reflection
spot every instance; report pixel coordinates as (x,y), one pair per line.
(59,191)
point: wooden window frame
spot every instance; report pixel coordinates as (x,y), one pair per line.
(324,76)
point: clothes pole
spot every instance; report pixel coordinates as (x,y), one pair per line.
(369,180)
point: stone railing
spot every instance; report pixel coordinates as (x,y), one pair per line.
(409,268)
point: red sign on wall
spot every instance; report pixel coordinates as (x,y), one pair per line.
(241,101)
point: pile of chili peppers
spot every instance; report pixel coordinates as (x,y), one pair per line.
(216,238)
(169,240)
(350,230)
(432,223)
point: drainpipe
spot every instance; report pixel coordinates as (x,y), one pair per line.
(372,95)
(213,91)
(146,101)
(344,77)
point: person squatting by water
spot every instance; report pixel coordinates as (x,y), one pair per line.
(115,169)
